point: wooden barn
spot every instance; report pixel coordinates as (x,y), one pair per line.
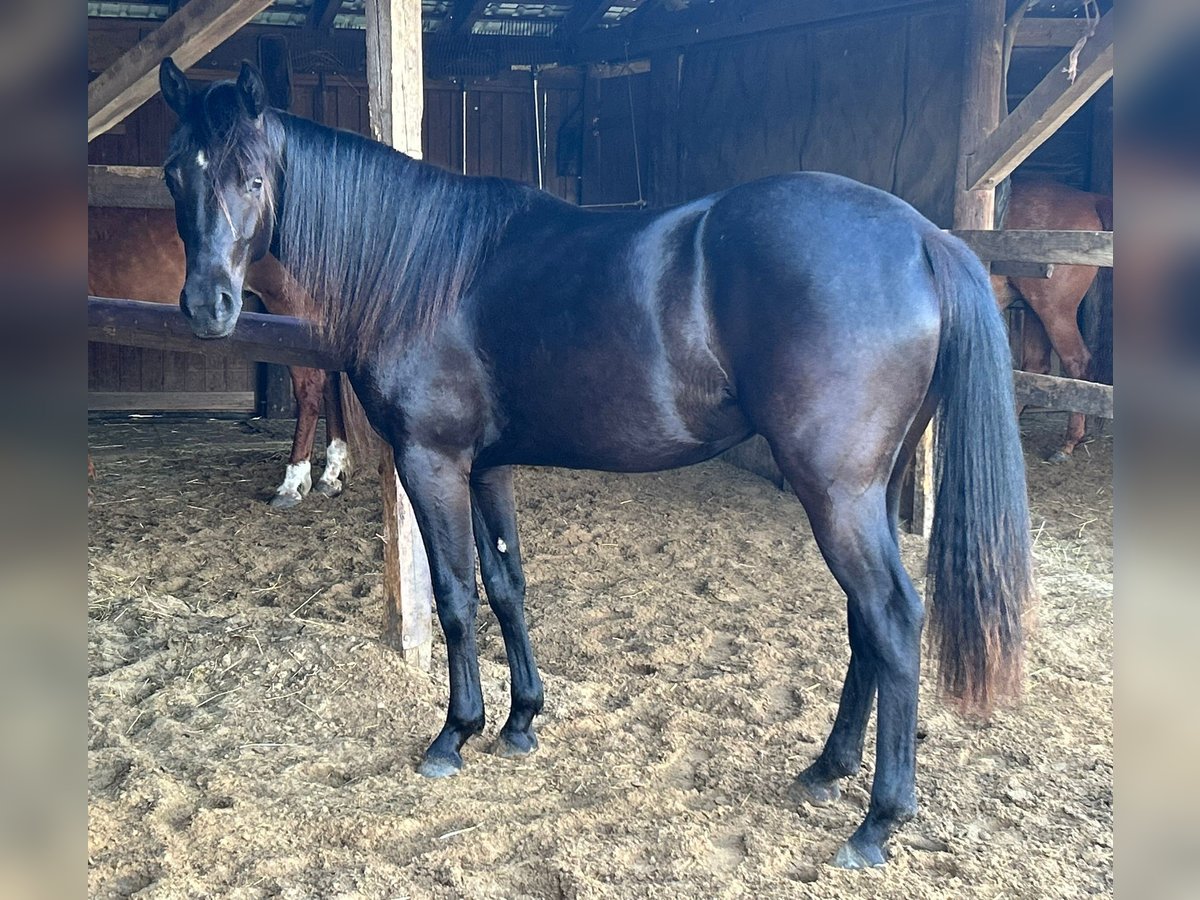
(642,104)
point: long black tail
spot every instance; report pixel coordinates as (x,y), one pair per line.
(980,571)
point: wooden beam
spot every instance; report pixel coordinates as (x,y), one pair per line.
(1072,248)
(1051,392)
(171,401)
(1011,268)
(262,337)
(723,21)
(1039,115)
(1034,32)
(462,16)
(584,15)
(396,97)
(187,36)
(322,14)
(136,187)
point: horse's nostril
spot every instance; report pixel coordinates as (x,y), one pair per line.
(224,303)
(186,307)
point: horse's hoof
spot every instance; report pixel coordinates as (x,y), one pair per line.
(851,857)
(440,766)
(814,793)
(286,499)
(1058,456)
(329,488)
(514,746)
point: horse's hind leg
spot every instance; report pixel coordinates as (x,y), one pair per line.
(495,520)
(1056,302)
(297,480)
(842,754)
(886,617)
(337,454)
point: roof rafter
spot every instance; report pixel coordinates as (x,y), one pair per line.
(463,16)
(1044,109)
(187,36)
(584,14)
(322,14)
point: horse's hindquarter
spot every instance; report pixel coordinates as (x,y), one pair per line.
(820,274)
(826,306)
(595,332)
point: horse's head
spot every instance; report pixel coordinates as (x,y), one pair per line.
(222,170)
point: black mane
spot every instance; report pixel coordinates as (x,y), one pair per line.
(385,244)
(382,244)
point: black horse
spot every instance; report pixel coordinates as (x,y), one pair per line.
(486,325)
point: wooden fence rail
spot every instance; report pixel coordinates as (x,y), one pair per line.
(285,340)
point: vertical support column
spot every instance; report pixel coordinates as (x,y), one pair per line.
(395,84)
(983,76)
(1097,305)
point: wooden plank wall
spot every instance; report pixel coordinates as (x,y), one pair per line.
(500,141)
(876,100)
(616,137)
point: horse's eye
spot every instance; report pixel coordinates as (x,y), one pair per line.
(256,184)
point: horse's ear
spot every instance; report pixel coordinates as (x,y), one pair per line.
(176,89)
(252,90)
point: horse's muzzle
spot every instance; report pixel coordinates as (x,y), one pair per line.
(211,313)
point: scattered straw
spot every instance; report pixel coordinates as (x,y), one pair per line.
(450,834)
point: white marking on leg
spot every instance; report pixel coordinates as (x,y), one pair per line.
(202,160)
(337,455)
(297,479)
(501,546)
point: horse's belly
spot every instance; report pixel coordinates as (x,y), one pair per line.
(620,433)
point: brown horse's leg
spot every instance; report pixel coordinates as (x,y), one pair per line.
(337,454)
(1035,347)
(306,385)
(1056,301)
(1035,350)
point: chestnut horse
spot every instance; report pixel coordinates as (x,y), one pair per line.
(136,254)
(1051,205)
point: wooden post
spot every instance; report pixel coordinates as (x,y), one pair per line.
(983,74)
(1097,305)
(395,86)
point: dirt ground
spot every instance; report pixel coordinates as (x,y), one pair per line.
(249,736)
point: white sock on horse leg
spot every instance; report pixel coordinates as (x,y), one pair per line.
(297,479)
(337,455)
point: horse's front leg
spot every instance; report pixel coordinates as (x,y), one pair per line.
(337,453)
(438,486)
(500,566)
(307,385)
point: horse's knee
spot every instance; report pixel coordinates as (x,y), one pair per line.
(456,613)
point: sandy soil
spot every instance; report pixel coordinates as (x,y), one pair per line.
(250,737)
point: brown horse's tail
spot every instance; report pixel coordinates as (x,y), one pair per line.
(980,577)
(1104,209)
